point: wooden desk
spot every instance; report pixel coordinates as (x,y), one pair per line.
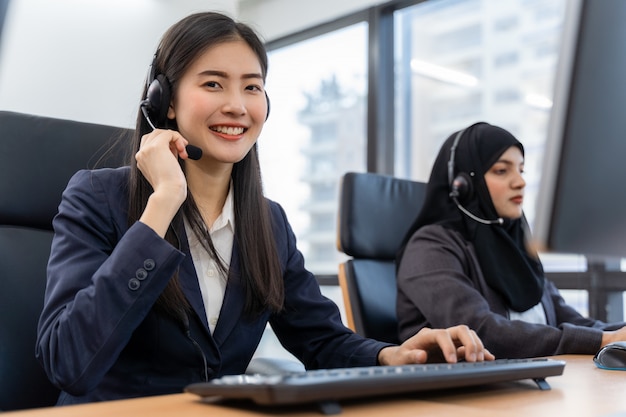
(582,390)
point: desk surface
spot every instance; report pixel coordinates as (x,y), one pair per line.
(582,390)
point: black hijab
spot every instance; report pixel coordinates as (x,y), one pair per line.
(508,265)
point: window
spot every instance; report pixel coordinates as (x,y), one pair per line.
(315,132)
(458,64)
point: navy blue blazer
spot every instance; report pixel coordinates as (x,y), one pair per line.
(100,336)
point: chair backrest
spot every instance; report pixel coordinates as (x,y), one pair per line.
(375,212)
(38,155)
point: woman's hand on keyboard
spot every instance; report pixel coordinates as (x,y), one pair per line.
(437,345)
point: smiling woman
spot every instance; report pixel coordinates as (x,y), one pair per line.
(224,90)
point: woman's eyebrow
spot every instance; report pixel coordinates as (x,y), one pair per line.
(223,74)
(508,162)
(253,75)
(215,73)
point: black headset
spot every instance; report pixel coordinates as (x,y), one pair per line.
(158,97)
(460,185)
(461,188)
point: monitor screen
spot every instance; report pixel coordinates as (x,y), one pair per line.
(581,204)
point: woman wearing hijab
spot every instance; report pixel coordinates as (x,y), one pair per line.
(465,259)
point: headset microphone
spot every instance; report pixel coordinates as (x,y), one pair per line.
(461,186)
(193,152)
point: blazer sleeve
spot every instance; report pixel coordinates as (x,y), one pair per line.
(103,278)
(440,284)
(310,326)
(565,313)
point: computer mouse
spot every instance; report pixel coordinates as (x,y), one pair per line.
(612,356)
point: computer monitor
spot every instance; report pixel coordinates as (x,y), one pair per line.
(581,203)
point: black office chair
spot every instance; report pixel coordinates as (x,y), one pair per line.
(38,155)
(375,212)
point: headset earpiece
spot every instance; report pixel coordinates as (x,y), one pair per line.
(157,100)
(461,187)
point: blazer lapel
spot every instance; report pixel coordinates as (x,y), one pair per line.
(232,306)
(189,281)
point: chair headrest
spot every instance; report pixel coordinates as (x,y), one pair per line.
(38,155)
(375,212)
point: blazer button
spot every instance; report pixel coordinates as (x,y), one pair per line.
(134,284)
(149,264)
(141,274)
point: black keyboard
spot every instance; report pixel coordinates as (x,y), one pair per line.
(329,385)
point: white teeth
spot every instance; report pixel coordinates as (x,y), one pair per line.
(228,130)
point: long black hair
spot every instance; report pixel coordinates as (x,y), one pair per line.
(259,269)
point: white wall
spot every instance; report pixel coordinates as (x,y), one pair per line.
(276,18)
(86,60)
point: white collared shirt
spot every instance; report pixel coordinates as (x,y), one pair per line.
(212,281)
